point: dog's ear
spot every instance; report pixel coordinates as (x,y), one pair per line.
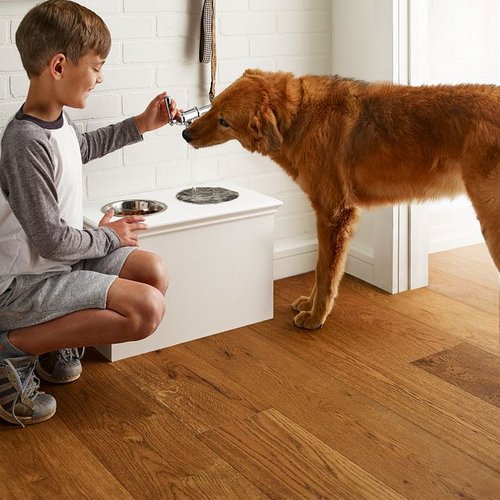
(266,132)
(253,72)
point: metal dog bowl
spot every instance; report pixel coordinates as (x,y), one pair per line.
(123,208)
(206,195)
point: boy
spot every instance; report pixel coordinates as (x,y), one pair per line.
(62,287)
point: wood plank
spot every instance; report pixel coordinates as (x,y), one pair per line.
(286,461)
(477,253)
(474,261)
(366,317)
(49,461)
(189,388)
(121,426)
(222,482)
(467,367)
(373,358)
(471,264)
(446,277)
(386,445)
(363,333)
(378,373)
(472,294)
(438,312)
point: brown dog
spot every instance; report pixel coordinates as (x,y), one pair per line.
(351,144)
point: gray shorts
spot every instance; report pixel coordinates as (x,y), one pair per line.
(32,299)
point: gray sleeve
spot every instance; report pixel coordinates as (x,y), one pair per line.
(27,180)
(105,140)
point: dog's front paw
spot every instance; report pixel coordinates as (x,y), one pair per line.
(302,304)
(306,320)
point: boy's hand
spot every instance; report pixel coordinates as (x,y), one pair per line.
(126,228)
(156,115)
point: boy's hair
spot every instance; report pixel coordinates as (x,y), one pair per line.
(60,26)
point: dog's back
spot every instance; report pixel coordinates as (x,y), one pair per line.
(398,143)
(436,118)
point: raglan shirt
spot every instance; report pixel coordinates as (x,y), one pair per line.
(41,213)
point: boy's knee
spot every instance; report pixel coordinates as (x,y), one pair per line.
(147,267)
(159,273)
(149,313)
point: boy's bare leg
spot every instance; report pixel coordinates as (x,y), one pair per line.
(134,311)
(145,267)
(135,307)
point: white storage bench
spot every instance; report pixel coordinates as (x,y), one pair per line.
(220,263)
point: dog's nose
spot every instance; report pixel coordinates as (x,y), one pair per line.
(187,136)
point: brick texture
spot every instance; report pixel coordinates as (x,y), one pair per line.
(155,48)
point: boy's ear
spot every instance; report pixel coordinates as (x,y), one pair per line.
(56,65)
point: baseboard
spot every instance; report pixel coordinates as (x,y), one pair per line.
(298,255)
(360,264)
(456,241)
(294,256)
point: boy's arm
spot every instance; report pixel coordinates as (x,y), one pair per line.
(27,180)
(105,140)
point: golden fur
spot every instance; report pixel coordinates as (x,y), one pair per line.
(351,144)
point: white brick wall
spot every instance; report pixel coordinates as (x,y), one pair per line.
(4,31)
(4,86)
(155,48)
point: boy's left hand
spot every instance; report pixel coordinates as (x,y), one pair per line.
(155,115)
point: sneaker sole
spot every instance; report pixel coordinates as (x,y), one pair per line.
(5,415)
(47,377)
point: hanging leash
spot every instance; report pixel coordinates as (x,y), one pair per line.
(208,53)
(213,59)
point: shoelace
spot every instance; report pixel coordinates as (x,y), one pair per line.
(67,355)
(24,378)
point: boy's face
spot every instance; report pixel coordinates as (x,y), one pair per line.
(79,79)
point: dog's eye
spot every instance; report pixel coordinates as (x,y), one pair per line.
(223,123)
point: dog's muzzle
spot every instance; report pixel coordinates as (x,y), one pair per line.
(187,135)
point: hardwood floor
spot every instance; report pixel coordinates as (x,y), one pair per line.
(396,397)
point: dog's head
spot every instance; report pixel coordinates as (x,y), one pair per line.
(244,111)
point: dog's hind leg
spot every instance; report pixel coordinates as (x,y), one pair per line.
(484,192)
(333,243)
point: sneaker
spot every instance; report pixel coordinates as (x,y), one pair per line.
(62,366)
(20,400)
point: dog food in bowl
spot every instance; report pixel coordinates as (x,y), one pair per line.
(206,195)
(123,208)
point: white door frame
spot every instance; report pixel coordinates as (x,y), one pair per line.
(406,236)
(413,232)
(363,48)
